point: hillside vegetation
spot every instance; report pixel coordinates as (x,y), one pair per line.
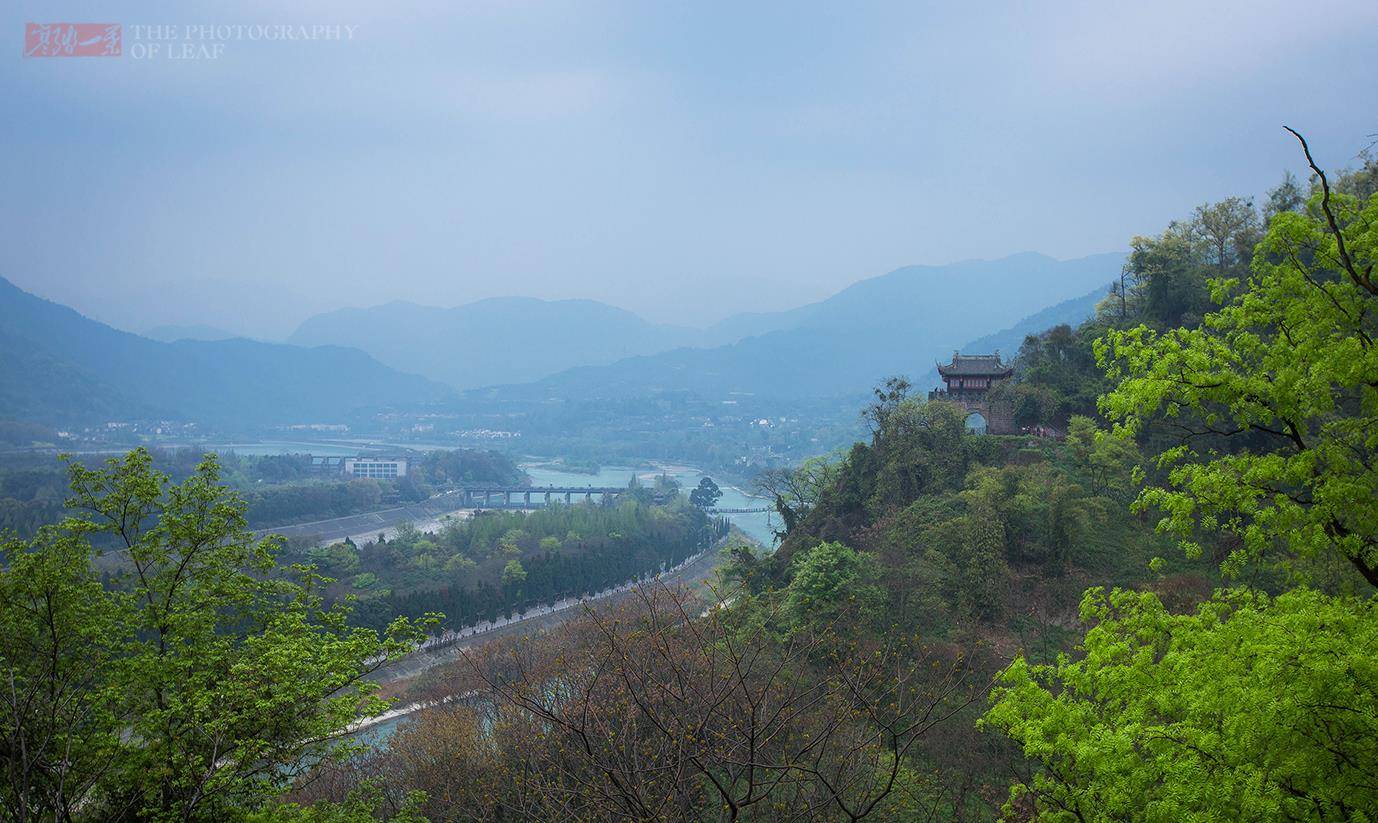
(1167,615)
(500,564)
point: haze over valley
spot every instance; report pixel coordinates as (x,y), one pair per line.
(685,412)
(403,355)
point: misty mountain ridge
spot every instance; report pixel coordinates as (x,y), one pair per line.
(897,323)
(194,331)
(58,366)
(496,340)
(517,340)
(1006,342)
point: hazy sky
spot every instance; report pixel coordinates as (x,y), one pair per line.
(681,159)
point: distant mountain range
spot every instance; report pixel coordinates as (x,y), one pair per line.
(581,347)
(195,331)
(58,367)
(61,368)
(897,323)
(500,340)
(1071,312)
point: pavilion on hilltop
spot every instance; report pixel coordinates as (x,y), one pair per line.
(969,379)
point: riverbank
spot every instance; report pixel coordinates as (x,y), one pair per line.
(432,513)
(693,573)
(759,525)
(428,515)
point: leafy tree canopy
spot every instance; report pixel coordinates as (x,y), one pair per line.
(1248,709)
(706,494)
(1287,365)
(197,685)
(831,579)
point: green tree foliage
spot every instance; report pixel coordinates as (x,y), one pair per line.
(955,521)
(463,570)
(282,504)
(1230,229)
(706,494)
(196,685)
(1042,514)
(920,448)
(1168,268)
(1248,709)
(1284,197)
(31,496)
(513,574)
(336,560)
(367,803)
(62,706)
(1360,183)
(1165,283)
(278,489)
(1107,461)
(1287,366)
(1056,377)
(831,580)
(444,467)
(796,490)
(1173,269)
(916,448)
(964,559)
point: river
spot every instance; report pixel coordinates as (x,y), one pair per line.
(757,524)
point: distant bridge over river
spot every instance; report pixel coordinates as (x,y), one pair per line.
(445,503)
(527,497)
(478,497)
(522,497)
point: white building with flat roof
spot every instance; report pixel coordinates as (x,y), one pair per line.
(376,468)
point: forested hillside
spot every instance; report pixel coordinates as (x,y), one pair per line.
(1165,614)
